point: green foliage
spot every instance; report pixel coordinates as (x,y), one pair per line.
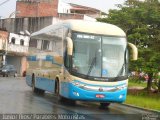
(141,22)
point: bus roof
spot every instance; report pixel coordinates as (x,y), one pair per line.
(83,26)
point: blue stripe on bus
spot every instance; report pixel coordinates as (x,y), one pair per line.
(31,58)
(49,58)
(68,90)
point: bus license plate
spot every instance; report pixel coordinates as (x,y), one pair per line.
(100,96)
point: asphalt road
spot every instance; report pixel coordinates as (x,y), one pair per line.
(17,98)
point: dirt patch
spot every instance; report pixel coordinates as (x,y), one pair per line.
(143,92)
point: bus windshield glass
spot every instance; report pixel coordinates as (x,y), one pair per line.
(99,56)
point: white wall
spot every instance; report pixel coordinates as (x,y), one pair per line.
(63,7)
(55,20)
(18,38)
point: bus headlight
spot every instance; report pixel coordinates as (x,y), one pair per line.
(78,84)
(122,87)
(75,83)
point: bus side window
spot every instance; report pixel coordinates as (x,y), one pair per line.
(51,46)
(66,60)
(33,43)
(45,45)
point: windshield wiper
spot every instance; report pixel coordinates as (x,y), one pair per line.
(121,70)
(91,66)
(92,63)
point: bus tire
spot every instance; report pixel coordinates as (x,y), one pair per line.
(57,89)
(104,105)
(4,75)
(34,89)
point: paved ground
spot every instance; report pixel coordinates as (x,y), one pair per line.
(17,98)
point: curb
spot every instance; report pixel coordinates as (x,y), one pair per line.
(145,109)
(136,107)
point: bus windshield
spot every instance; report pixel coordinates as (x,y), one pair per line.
(99,56)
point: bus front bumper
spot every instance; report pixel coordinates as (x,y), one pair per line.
(73,92)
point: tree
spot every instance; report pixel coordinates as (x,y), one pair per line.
(141,22)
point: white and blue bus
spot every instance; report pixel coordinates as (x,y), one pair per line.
(80,60)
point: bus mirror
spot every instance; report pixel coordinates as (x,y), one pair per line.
(134,51)
(69,46)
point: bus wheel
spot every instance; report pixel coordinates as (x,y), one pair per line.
(4,75)
(57,89)
(104,105)
(34,89)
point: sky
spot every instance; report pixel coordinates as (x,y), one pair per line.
(103,5)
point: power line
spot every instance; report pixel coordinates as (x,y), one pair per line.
(4,2)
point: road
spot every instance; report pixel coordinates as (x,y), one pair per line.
(17,98)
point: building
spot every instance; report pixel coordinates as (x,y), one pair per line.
(36,8)
(54,8)
(33,15)
(13,49)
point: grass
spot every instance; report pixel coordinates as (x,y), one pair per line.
(148,102)
(140,97)
(136,84)
(133,83)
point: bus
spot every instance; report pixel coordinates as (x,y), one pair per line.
(80,61)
